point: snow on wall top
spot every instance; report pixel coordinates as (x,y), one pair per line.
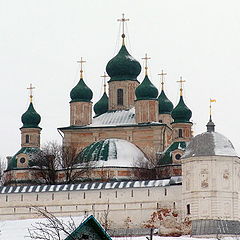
(91,186)
(210,144)
(119,117)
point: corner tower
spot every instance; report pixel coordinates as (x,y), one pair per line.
(123,70)
(81,105)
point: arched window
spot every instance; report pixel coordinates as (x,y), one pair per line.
(27,138)
(180,133)
(120,97)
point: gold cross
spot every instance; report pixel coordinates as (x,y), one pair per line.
(162,74)
(123,20)
(104,79)
(181,81)
(31,91)
(146,58)
(81,67)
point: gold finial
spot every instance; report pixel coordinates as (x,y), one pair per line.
(162,74)
(31,91)
(123,20)
(81,67)
(104,79)
(146,58)
(210,106)
(181,81)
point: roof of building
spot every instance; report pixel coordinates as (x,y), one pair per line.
(181,113)
(81,92)
(165,106)
(166,157)
(210,144)
(101,106)
(91,186)
(117,118)
(112,152)
(31,118)
(12,164)
(146,90)
(123,66)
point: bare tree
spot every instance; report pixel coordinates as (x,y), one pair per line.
(59,164)
(3,166)
(146,168)
(47,162)
(52,228)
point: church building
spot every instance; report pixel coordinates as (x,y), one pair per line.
(147,170)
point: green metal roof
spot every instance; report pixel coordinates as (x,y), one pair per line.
(181,113)
(123,66)
(81,92)
(12,164)
(166,157)
(90,227)
(102,105)
(31,118)
(165,106)
(146,90)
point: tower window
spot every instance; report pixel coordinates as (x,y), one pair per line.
(27,138)
(178,156)
(188,209)
(120,97)
(180,133)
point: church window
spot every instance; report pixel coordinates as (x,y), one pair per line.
(116,194)
(148,192)
(178,156)
(68,196)
(132,193)
(22,160)
(84,195)
(37,197)
(61,208)
(100,195)
(53,196)
(6,198)
(180,133)
(120,97)
(21,198)
(188,209)
(27,138)
(14,209)
(174,205)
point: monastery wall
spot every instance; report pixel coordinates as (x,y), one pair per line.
(132,207)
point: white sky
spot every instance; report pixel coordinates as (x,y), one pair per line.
(40,42)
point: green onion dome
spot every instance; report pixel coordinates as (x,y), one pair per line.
(102,105)
(123,66)
(31,118)
(181,113)
(146,90)
(165,106)
(81,92)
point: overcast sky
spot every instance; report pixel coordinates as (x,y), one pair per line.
(40,42)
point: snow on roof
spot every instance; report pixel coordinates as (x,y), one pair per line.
(91,186)
(210,144)
(18,229)
(119,117)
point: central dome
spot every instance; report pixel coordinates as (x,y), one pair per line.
(31,118)
(112,153)
(123,66)
(209,144)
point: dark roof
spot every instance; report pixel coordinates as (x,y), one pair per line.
(92,227)
(91,186)
(209,144)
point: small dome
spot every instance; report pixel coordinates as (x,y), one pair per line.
(31,118)
(181,113)
(209,144)
(112,153)
(146,90)
(123,66)
(102,105)
(81,92)
(165,106)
